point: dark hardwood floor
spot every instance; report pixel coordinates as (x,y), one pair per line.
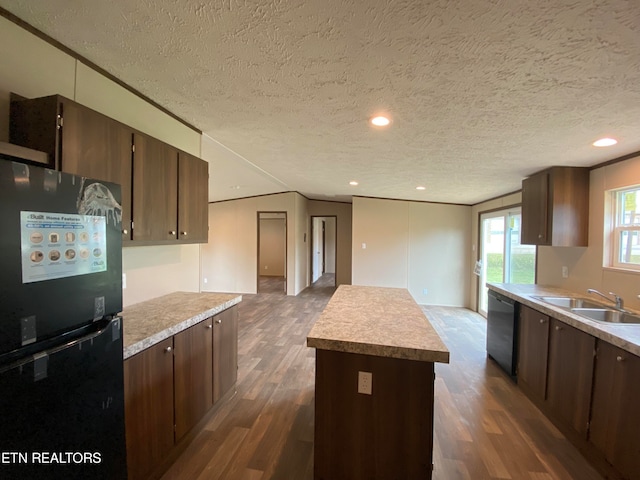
(271,285)
(484,426)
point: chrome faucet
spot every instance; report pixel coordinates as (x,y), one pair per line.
(618,300)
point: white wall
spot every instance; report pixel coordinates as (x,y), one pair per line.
(413,245)
(33,68)
(302,227)
(229,261)
(586,263)
(380,243)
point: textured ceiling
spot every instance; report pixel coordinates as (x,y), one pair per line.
(482,92)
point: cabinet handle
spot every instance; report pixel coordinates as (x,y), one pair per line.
(218,321)
(125,231)
(539,235)
(168,349)
(619,358)
(542,320)
(209,326)
(558,328)
(183,233)
(172,232)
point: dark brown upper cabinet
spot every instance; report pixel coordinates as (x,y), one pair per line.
(170,194)
(555,207)
(164,190)
(155,190)
(193,198)
(78,140)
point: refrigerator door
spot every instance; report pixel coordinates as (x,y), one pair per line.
(61,253)
(63,410)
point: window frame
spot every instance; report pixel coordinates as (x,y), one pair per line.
(618,227)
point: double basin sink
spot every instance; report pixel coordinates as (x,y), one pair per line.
(591,310)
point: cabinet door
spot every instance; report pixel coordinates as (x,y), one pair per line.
(225,352)
(535,210)
(570,377)
(193,375)
(155,190)
(532,354)
(193,198)
(98,147)
(35,123)
(615,415)
(148,390)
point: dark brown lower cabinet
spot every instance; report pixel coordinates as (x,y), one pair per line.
(570,376)
(170,387)
(615,410)
(533,352)
(148,384)
(193,368)
(225,352)
(386,435)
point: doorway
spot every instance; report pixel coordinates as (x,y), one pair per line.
(503,258)
(272,252)
(323,251)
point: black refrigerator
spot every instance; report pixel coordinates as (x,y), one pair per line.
(61,365)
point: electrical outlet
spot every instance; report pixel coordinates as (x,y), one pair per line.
(565,272)
(365,381)
(205,279)
(364,245)
(266,267)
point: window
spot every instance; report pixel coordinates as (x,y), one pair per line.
(625,239)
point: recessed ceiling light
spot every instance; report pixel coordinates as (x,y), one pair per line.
(605,142)
(420,188)
(353,182)
(380,121)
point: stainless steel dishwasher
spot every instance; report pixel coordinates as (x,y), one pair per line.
(502,332)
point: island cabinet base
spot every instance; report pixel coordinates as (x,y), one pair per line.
(385,435)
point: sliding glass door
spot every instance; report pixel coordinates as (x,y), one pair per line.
(503,259)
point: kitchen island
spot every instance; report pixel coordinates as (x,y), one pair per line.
(375,355)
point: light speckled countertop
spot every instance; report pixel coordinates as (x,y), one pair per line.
(150,322)
(384,322)
(625,336)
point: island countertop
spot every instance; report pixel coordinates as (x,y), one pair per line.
(384,322)
(150,322)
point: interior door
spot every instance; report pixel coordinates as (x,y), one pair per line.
(504,259)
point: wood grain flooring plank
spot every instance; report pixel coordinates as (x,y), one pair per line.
(249,474)
(225,454)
